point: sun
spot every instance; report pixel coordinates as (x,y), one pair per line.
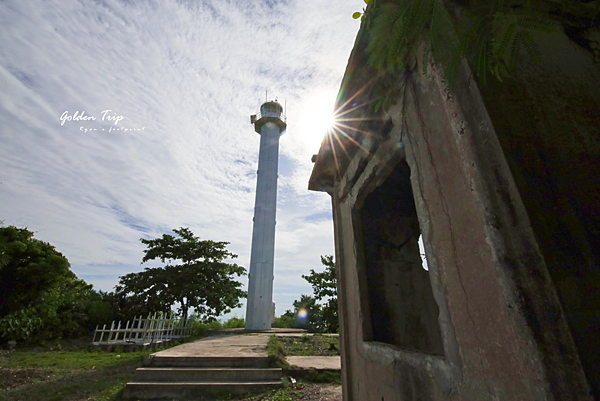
(317,118)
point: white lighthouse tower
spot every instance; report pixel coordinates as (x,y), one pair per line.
(270,124)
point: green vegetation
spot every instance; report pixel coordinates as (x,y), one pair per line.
(40,297)
(67,374)
(75,370)
(286,393)
(490,34)
(201,327)
(202,280)
(45,306)
(299,391)
(310,345)
(496,32)
(321,308)
(324,376)
(276,353)
(325,289)
(70,359)
(278,347)
(285,321)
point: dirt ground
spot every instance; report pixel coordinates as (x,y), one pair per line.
(305,392)
(11,378)
(16,378)
(317,345)
(320,392)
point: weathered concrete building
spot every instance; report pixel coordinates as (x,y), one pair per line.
(502,181)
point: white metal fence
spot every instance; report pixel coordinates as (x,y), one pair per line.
(141,331)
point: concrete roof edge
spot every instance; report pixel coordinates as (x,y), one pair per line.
(322,177)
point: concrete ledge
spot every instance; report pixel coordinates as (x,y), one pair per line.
(316,362)
(244,331)
(208,361)
(209,375)
(144,390)
(314,368)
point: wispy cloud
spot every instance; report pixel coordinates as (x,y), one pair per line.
(185,76)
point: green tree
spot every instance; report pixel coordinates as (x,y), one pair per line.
(325,292)
(313,321)
(321,307)
(201,280)
(29,269)
(285,321)
(489,34)
(40,297)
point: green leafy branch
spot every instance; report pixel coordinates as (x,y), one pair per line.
(495,32)
(361,14)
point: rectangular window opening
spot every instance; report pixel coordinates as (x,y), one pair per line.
(403,311)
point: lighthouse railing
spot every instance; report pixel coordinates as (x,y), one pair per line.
(275,114)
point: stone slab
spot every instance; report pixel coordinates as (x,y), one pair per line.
(316,362)
(222,346)
(246,345)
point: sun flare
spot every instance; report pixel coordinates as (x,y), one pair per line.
(302,313)
(317,119)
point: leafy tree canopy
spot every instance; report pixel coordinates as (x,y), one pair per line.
(325,291)
(491,34)
(40,297)
(28,269)
(313,320)
(321,308)
(201,279)
(324,283)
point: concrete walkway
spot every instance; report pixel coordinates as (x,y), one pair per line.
(316,362)
(237,343)
(224,345)
(231,362)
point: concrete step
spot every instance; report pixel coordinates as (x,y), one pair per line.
(207,362)
(169,374)
(193,390)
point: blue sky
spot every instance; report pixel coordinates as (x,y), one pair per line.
(183,77)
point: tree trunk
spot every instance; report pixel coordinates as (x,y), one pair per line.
(184,311)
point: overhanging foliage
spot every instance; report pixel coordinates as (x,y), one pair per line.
(491,33)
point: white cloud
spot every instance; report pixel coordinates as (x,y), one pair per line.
(185,76)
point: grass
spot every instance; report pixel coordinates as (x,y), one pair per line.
(74,373)
(327,376)
(200,328)
(315,345)
(276,353)
(278,347)
(283,394)
(72,360)
(286,393)
(67,374)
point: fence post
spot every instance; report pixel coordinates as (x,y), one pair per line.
(156,328)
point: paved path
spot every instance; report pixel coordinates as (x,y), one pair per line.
(316,362)
(240,344)
(222,346)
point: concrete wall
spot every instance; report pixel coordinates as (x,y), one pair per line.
(552,146)
(508,212)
